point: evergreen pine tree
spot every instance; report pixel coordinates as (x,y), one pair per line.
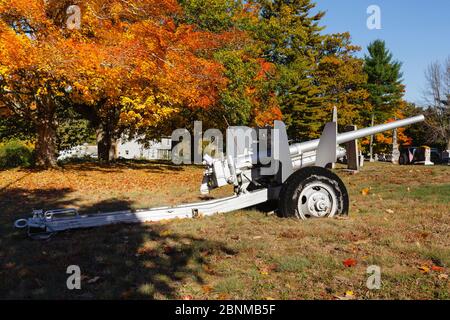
(384,81)
(384,84)
(292,37)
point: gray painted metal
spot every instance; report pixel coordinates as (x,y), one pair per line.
(299,148)
(51,222)
(326,150)
(316,152)
(308,159)
(283,152)
(352,151)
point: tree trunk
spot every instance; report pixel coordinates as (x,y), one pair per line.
(105,119)
(448,144)
(106,144)
(45,148)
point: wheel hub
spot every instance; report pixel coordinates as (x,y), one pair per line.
(317,200)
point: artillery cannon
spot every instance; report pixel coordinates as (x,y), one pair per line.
(264,169)
(302,186)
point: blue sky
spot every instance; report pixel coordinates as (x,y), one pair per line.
(417,32)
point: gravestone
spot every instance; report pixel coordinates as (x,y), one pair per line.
(446,157)
(428,157)
(361,159)
(395,151)
(352,151)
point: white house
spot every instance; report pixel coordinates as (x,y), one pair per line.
(126,149)
(157,150)
(84,150)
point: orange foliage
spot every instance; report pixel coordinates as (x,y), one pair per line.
(265,68)
(265,107)
(268,116)
(384,139)
(122,49)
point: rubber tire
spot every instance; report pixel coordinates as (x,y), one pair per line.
(292,188)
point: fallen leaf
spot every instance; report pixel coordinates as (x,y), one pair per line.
(223,296)
(269,298)
(390,211)
(443,276)
(188,297)
(437,268)
(257,237)
(207,289)
(265,270)
(424,269)
(349,262)
(365,191)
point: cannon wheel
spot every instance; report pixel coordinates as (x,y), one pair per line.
(313,192)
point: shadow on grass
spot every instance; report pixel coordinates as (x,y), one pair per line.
(4,188)
(19,201)
(151,166)
(146,261)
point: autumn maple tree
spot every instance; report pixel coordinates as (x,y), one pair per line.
(128,63)
(33,60)
(287,68)
(341,81)
(141,68)
(249,97)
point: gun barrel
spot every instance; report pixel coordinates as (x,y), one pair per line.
(300,148)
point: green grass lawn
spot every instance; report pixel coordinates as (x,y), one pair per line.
(402,226)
